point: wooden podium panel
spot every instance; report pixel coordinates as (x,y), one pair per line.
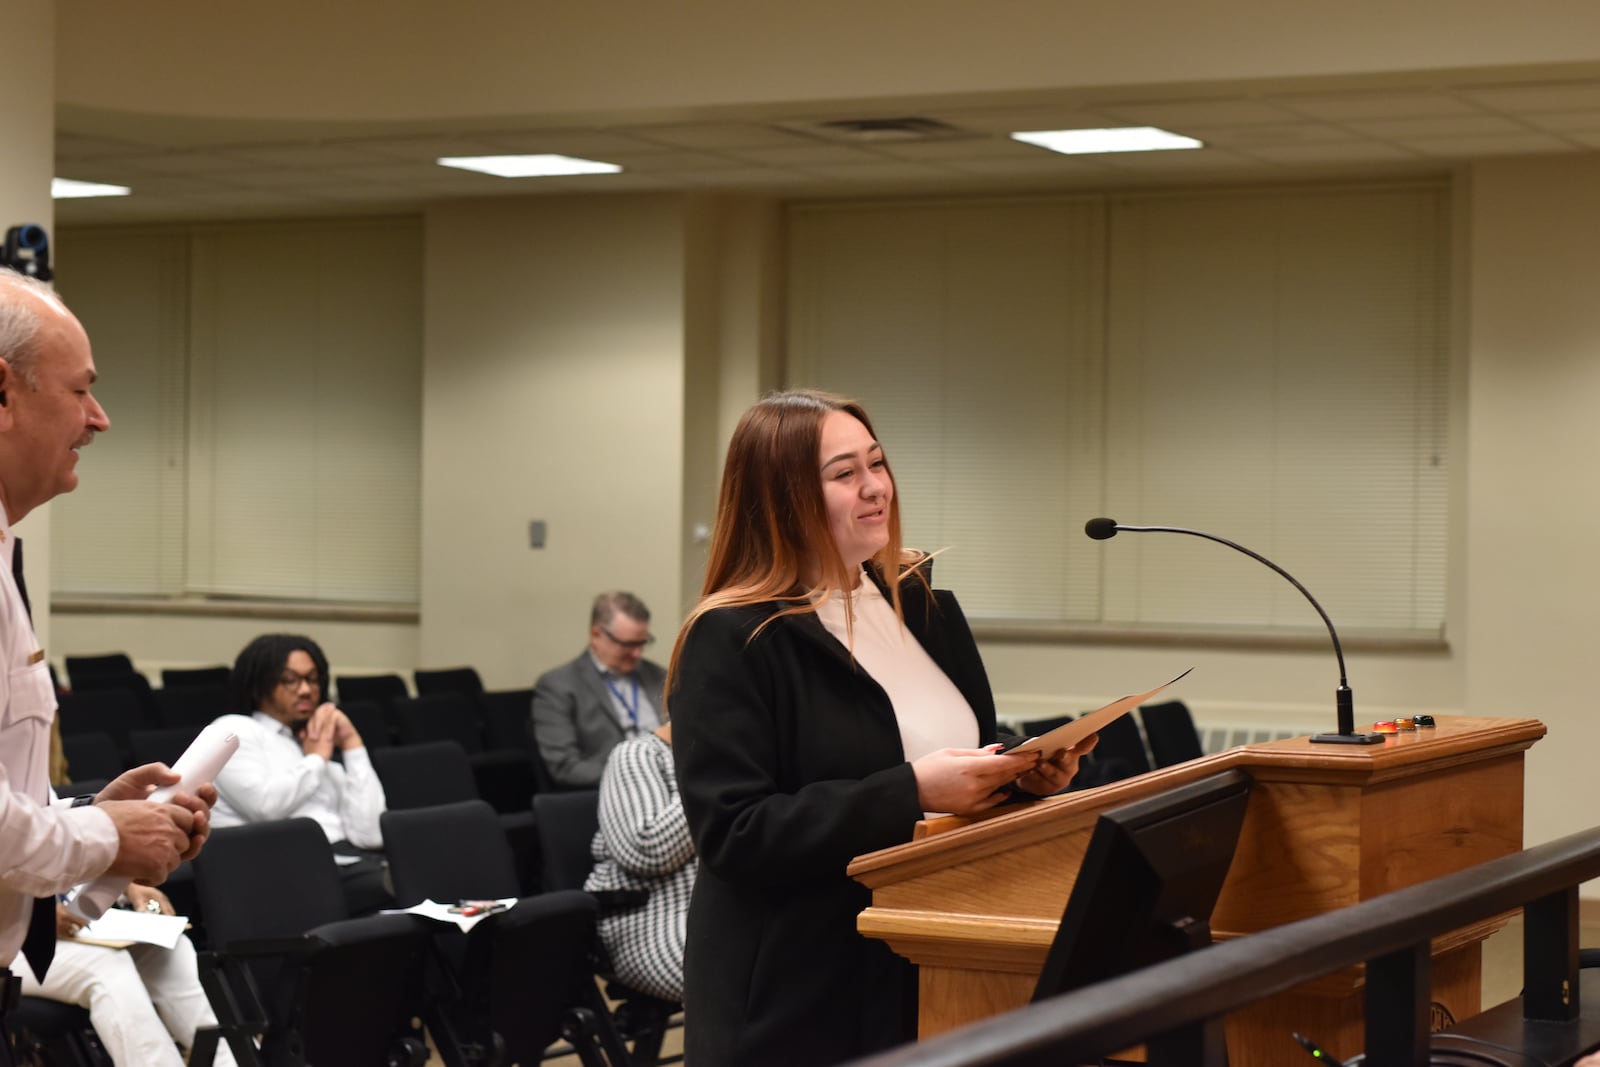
(975,902)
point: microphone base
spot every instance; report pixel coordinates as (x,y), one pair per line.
(1348,739)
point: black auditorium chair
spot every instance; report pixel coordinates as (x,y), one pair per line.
(463,680)
(160,746)
(567,822)
(116,712)
(505,777)
(1119,754)
(439,772)
(93,754)
(442,716)
(190,677)
(419,776)
(370,722)
(190,705)
(508,718)
(285,966)
(381,689)
(1035,727)
(52,1034)
(81,786)
(1170,730)
(112,670)
(518,980)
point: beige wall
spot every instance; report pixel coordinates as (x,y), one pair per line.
(552,389)
(1533,510)
(27,130)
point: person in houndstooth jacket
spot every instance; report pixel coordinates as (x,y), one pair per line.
(644,844)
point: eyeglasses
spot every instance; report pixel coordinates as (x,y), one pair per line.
(291,680)
(632,646)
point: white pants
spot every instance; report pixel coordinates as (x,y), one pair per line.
(140,999)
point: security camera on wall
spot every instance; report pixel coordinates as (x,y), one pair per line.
(27,251)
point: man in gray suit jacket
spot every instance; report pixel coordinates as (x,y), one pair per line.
(581,710)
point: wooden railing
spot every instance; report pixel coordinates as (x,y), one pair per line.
(1176,1008)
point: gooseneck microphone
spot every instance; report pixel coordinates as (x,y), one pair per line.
(1103,529)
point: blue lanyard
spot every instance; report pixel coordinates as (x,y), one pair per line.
(631,706)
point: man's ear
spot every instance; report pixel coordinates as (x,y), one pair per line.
(8,378)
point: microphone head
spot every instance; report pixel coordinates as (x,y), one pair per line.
(1101,529)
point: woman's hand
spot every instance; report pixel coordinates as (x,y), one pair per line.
(148,898)
(964,781)
(1052,775)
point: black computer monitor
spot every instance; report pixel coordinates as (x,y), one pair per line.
(1149,879)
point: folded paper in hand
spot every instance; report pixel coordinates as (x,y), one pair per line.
(1071,733)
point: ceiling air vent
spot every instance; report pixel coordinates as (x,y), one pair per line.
(879,130)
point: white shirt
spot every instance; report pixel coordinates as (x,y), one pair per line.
(272,777)
(45,848)
(931,712)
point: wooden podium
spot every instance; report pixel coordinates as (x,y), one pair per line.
(975,902)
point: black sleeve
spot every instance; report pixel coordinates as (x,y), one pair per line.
(729,716)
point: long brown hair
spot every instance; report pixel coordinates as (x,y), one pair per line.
(772,524)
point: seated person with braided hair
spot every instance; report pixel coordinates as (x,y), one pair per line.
(643,845)
(285,766)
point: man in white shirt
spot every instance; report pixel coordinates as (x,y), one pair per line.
(47,413)
(284,767)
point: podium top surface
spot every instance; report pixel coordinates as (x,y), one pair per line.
(1457,740)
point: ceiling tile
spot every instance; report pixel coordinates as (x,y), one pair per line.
(1565,121)
(877,172)
(1344,152)
(719,135)
(1580,96)
(1444,126)
(585,144)
(1277,134)
(1202,161)
(810,155)
(966,148)
(1509,145)
(1343,107)
(309,156)
(1175,115)
(1013,120)
(418,149)
(670,161)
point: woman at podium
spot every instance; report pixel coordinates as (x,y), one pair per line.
(823,697)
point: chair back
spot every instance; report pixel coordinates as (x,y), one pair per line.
(185,677)
(370,722)
(190,705)
(567,824)
(448,852)
(93,754)
(267,879)
(1170,730)
(1121,746)
(463,680)
(100,672)
(440,717)
(419,776)
(160,746)
(508,718)
(1035,727)
(379,688)
(117,712)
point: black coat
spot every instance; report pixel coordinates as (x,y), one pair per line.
(790,765)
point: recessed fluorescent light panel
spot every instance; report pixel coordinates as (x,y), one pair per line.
(1119,139)
(528,166)
(67,189)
